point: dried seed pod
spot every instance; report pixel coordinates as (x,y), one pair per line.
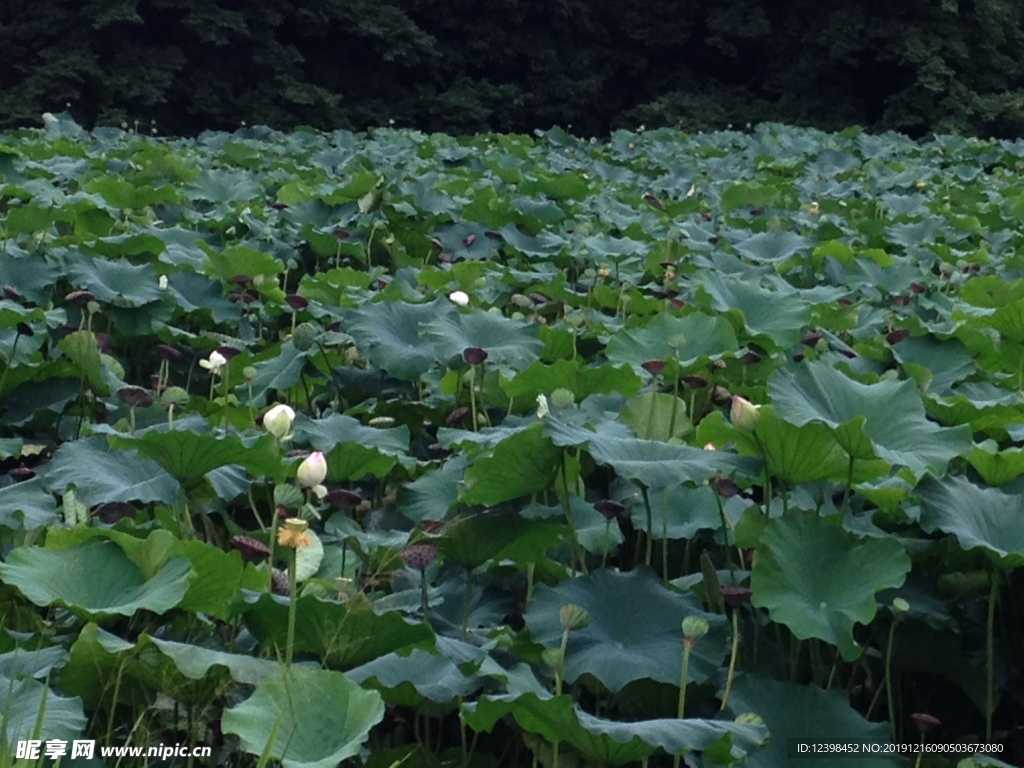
(253,550)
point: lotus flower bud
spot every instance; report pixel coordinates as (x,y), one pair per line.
(573,616)
(694,627)
(744,414)
(461,298)
(312,470)
(278,420)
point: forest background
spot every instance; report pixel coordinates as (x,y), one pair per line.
(467,66)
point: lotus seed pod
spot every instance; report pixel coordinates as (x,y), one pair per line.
(562,398)
(695,627)
(304,336)
(175,396)
(278,420)
(294,533)
(382,422)
(573,616)
(312,470)
(251,549)
(899,605)
(419,556)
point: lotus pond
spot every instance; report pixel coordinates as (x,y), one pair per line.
(414,450)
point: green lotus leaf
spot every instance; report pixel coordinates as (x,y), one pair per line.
(777,313)
(472,540)
(805,712)
(653,463)
(115,585)
(542,378)
(885,419)
(521,464)
(224,186)
(28,505)
(977,517)
(608,742)
(343,635)
(687,339)
(152,666)
(189,456)
(32,711)
(115,281)
(507,342)
(392,335)
(634,632)
(814,578)
(80,348)
(996,467)
(306,718)
(772,247)
(101,475)
(432,494)
(657,416)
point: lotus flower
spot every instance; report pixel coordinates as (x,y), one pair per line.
(312,470)
(461,298)
(278,420)
(744,414)
(214,363)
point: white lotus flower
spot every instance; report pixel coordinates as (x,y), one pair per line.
(214,362)
(744,414)
(542,407)
(278,420)
(459,297)
(312,470)
(162,282)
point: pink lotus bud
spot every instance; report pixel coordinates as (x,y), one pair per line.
(312,470)
(744,414)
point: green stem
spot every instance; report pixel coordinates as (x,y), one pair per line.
(684,678)
(577,553)
(675,407)
(990,655)
(650,526)
(664,536)
(272,544)
(888,678)
(424,603)
(10,362)
(732,657)
(293,601)
(467,603)
(846,490)
(472,395)
(725,538)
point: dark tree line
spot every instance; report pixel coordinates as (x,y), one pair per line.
(462,66)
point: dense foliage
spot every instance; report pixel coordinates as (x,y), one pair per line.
(460,66)
(414,450)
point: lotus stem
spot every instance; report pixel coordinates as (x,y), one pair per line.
(472,396)
(650,526)
(990,654)
(577,552)
(732,656)
(467,602)
(293,601)
(849,485)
